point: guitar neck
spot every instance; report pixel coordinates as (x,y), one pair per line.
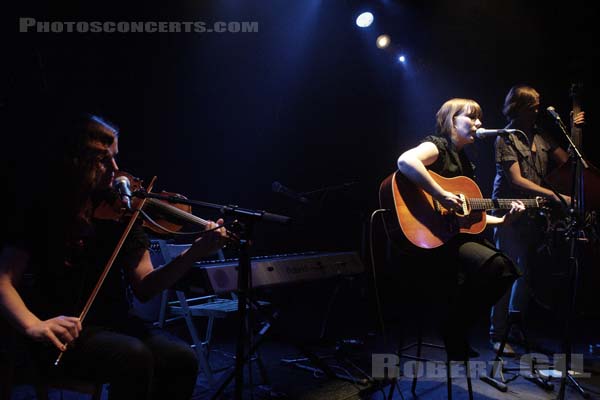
(499,204)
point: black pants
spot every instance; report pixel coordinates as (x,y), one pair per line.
(138,362)
(483,275)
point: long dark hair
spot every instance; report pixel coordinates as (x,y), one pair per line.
(87,139)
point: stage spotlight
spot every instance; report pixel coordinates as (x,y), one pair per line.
(383,41)
(364,20)
(402,59)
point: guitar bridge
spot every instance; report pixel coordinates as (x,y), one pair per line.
(463,211)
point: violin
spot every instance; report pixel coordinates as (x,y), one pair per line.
(162,217)
(106,207)
(167,219)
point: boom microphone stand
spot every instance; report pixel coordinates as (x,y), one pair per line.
(533,374)
(514,317)
(245,221)
(575,234)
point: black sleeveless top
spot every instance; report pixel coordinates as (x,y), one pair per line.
(450,162)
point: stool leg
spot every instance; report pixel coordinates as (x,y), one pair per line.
(449,378)
(97,395)
(469,384)
(417,364)
(392,387)
(262,370)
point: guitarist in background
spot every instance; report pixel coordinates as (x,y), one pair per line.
(521,166)
(481,274)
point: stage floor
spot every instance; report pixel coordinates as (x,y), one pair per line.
(287,381)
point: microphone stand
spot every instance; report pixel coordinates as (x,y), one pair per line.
(515,317)
(575,234)
(246,219)
(533,374)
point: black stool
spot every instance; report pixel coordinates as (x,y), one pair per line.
(419,344)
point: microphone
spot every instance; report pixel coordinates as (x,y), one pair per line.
(123,187)
(553,113)
(485,133)
(286,191)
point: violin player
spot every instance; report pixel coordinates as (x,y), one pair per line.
(55,233)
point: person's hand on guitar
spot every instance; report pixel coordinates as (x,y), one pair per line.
(566,198)
(450,201)
(516,209)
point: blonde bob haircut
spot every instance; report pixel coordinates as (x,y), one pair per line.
(450,109)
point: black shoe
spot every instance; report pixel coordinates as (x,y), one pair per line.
(458,348)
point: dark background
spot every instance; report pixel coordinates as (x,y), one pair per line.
(308,101)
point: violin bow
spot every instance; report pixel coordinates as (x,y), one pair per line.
(109,265)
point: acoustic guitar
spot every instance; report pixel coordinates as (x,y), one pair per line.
(421,220)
